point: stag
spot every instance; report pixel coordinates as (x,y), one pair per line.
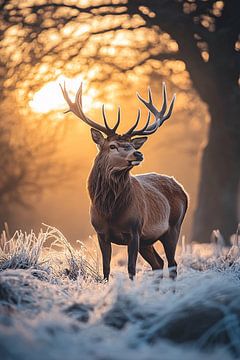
(132,210)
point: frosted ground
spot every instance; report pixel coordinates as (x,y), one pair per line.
(53,304)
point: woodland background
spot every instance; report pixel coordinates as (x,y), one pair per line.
(118,47)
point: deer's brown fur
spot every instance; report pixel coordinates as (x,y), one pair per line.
(149,206)
(132,210)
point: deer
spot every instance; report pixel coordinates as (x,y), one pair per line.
(132,210)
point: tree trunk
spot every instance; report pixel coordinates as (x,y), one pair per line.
(220,169)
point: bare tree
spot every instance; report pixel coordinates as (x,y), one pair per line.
(29,159)
(202,34)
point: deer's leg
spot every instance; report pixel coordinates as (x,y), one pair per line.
(159,259)
(106,250)
(169,241)
(133,247)
(151,256)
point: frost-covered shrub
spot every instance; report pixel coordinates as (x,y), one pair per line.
(22,251)
(25,251)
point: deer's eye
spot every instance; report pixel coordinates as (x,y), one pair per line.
(113,147)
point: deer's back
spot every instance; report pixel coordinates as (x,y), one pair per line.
(166,202)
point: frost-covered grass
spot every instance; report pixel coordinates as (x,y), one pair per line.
(54,306)
(48,251)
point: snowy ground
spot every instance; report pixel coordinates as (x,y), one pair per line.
(53,306)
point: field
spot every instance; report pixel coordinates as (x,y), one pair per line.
(53,304)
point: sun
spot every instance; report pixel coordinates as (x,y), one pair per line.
(50,98)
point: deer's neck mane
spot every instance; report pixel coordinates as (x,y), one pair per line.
(109,189)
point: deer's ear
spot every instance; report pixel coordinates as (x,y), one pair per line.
(97,137)
(138,142)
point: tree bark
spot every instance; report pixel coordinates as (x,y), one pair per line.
(220,169)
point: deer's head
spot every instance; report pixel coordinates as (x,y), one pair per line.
(121,151)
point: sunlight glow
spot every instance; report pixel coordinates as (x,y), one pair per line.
(50,98)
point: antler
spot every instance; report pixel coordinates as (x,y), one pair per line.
(160,116)
(76,108)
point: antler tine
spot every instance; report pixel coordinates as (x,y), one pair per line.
(118,119)
(78,97)
(65,94)
(139,132)
(104,118)
(78,101)
(149,96)
(170,108)
(76,108)
(164,105)
(112,130)
(159,115)
(129,132)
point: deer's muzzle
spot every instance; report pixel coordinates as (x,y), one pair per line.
(138,158)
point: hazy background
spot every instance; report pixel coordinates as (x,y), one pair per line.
(113,48)
(66,206)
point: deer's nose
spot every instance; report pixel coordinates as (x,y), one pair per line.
(138,155)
